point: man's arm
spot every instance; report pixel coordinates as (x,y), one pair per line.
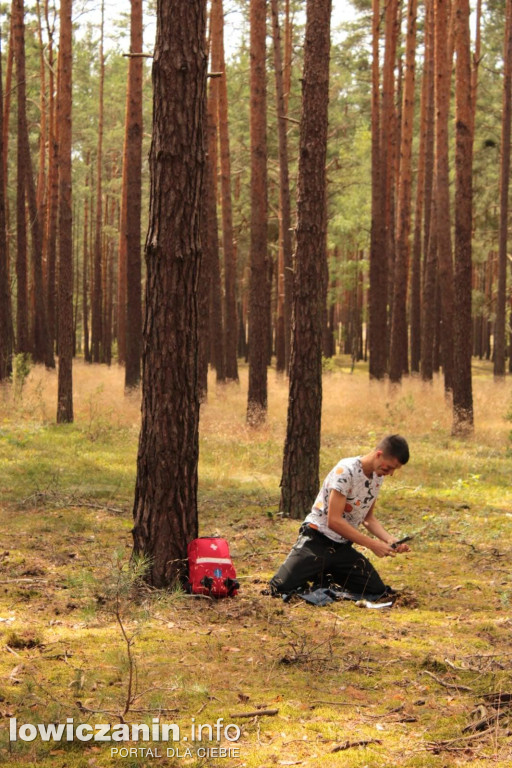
(338,524)
(375,526)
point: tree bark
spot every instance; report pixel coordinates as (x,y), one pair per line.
(228,245)
(22,323)
(428,304)
(52,193)
(123,245)
(421,194)
(211,246)
(5,297)
(378,265)
(462,328)
(43,133)
(98,298)
(133,308)
(65,383)
(5,138)
(205,273)
(285,266)
(389,140)
(444,238)
(259,292)
(506,121)
(165,507)
(42,345)
(85,263)
(299,482)
(398,358)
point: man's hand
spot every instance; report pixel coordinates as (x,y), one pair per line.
(402,548)
(382,549)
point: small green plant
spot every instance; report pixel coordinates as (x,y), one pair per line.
(329,365)
(22,364)
(471,480)
(115,591)
(99,423)
(23,640)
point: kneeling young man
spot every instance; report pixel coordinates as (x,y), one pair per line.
(323,553)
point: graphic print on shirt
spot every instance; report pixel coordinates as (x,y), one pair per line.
(360,492)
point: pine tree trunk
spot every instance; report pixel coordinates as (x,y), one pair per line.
(382,178)
(43,134)
(85,280)
(506,115)
(108,278)
(205,271)
(394,143)
(445,260)
(430,128)
(462,339)
(285,267)
(259,292)
(476,62)
(98,298)
(121,262)
(7,101)
(228,246)
(398,357)
(428,303)
(5,298)
(388,149)
(211,246)
(438,340)
(165,507)
(420,206)
(378,272)
(42,349)
(52,192)
(299,482)
(242,340)
(5,137)
(65,386)
(77,344)
(134,202)
(22,323)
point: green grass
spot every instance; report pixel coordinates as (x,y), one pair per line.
(405,681)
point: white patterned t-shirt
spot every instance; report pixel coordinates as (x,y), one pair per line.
(360,492)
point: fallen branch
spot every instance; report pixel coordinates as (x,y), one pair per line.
(60,501)
(256,713)
(486,720)
(350,744)
(499,698)
(447,685)
(337,703)
(83,708)
(439,745)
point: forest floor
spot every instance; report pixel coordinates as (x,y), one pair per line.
(425,683)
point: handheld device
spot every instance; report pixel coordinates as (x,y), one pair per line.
(402,541)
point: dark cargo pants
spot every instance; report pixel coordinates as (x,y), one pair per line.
(318,559)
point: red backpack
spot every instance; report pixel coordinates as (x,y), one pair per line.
(210,568)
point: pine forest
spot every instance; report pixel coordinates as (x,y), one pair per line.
(416,189)
(240,239)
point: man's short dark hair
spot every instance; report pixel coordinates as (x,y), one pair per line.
(395,446)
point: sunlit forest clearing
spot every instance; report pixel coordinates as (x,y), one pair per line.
(426,683)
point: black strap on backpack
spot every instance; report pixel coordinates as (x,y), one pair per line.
(231,585)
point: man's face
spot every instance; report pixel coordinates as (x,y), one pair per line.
(385,465)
